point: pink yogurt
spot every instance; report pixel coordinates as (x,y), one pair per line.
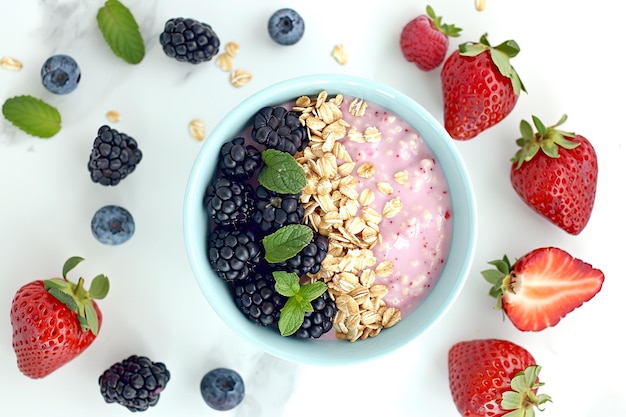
(416,240)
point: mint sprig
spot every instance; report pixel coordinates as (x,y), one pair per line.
(34,116)
(286,242)
(298,302)
(281,172)
(121,31)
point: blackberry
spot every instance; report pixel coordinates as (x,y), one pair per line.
(113,157)
(229,203)
(234,255)
(258,300)
(188,40)
(279,128)
(320,320)
(274,210)
(309,259)
(239,161)
(136,382)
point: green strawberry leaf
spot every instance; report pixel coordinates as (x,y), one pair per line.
(286,242)
(281,172)
(32,115)
(71,264)
(287,283)
(90,320)
(99,287)
(522,399)
(121,32)
(63,297)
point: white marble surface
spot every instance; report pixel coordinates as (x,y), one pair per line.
(569,63)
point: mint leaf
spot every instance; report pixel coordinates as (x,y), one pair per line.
(286,242)
(287,283)
(281,172)
(32,115)
(121,32)
(299,303)
(310,292)
(291,317)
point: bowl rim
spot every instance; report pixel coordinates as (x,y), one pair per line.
(463,202)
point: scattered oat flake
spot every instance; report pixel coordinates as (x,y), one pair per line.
(113,116)
(240,77)
(197,130)
(224,62)
(9,63)
(232,48)
(340,54)
(480,5)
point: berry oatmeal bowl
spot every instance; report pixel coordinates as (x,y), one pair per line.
(329,220)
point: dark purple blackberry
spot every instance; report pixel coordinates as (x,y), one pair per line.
(274,210)
(239,161)
(136,383)
(234,254)
(113,157)
(188,40)
(320,320)
(229,203)
(309,259)
(279,128)
(258,300)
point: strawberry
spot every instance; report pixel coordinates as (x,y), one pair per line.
(480,87)
(560,181)
(425,40)
(492,377)
(542,287)
(55,320)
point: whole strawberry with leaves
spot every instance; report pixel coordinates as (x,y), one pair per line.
(480,87)
(493,377)
(556,174)
(542,287)
(425,40)
(54,320)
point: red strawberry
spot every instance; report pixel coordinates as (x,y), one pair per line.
(54,321)
(542,287)
(425,40)
(492,377)
(480,87)
(560,181)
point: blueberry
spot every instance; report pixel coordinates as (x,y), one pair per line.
(285,26)
(60,74)
(112,225)
(222,389)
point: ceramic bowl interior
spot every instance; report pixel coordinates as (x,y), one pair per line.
(334,352)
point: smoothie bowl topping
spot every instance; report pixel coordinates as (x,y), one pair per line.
(330,218)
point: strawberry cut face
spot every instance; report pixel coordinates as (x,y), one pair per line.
(545,286)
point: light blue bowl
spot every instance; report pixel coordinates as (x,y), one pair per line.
(333,352)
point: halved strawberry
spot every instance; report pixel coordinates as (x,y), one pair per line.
(541,287)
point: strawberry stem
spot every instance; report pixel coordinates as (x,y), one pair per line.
(523,398)
(76,297)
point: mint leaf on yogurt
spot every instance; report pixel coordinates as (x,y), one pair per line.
(286,242)
(281,172)
(32,115)
(121,31)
